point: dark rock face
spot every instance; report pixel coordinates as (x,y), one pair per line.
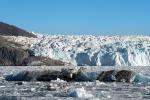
(6,43)
(107,76)
(72,75)
(11,56)
(3,63)
(10,30)
(39,61)
(116,76)
(48,76)
(11,53)
(124,76)
(68,74)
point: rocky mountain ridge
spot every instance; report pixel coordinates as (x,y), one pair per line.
(11,30)
(14,53)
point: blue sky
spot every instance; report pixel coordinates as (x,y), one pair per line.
(103,17)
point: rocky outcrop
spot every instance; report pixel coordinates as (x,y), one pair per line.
(116,76)
(124,76)
(41,61)
(71,75)
(10,30)
(107,76)
(68,74)
(83,75)
(12,54)
(48,75)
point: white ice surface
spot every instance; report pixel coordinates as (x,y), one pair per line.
(79,92)
(91,50)
(96,50)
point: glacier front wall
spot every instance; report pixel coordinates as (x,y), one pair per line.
(96,51)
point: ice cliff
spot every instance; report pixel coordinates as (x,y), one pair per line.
(91,50)
(96,50)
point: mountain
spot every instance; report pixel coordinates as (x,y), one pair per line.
(69,49)
(10,30)
(15,51)
(12,54)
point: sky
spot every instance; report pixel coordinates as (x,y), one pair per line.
(102,17)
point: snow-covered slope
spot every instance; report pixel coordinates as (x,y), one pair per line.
(92,50)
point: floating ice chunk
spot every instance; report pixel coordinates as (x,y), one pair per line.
(142,78)
(58,80)
(33,89)
(79,93)
(49,95)
(106,94)
(83,75)
(99,83)
(2,86)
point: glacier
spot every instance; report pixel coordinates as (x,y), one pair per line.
(90,50)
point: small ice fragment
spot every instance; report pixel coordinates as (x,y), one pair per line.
(2,86)
(58,80)
(79,92)
(33,89)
